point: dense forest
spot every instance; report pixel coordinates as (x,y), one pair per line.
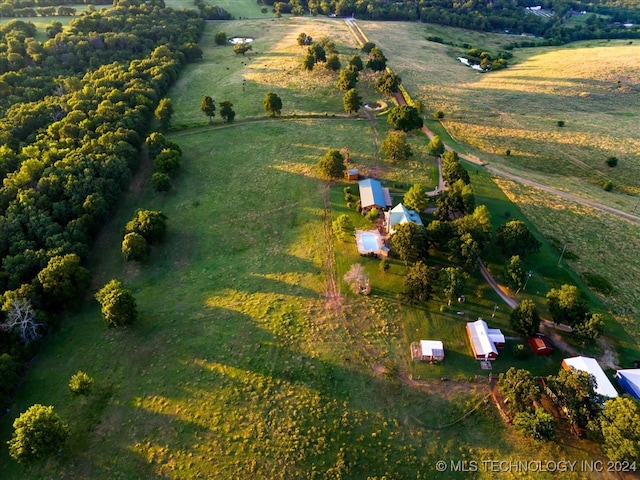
(74,114)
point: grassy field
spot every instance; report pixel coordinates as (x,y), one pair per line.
(237,367)
(593,86)
(237,8)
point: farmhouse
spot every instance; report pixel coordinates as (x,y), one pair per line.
(372,194)
(587,364)
(540,345)
(629,380)
(484,341)
(399,215)
(427,351)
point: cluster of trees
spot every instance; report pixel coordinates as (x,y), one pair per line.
(566,306)
(323,51)
(614,423)
(75,109)
(208,107)
(211,12)
(487,61)
(143,230)
(166,157)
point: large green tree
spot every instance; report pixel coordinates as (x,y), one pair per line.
(348,79)
(220,38)
(538,425)
(416,198)
(620,426)
(226,111)
(272,104)
(525,318)
(453,280)
(575,392)
(318,52)
(389,83)
(331,164)
(418,283)
(519,388)
(342,227)
(395,147)
(405,118)
(134,247)
(515,273)
(164,112)
(64,280)
(452,170)
(590,329)
(377,61)
(118,304)
(356,63)
(37,433)
(566,306)
(333,62)
(168,161)
(208,107)
(308,61)
(242,48)
(436,147)
(151,224)
(352,101)
(514,238)
(410,242)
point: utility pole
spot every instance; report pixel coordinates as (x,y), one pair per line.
(494,310)
(527,281)
(562,254)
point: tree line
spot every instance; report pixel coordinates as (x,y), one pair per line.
(73,126)
(495,16)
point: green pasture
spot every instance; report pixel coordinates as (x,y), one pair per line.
(235,368)
(239,367)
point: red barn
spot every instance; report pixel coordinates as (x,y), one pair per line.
(540,345)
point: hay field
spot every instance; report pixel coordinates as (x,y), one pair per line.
(593,86)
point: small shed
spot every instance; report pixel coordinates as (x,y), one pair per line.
(629,380)
(352,174)
(540,344)
(427,351)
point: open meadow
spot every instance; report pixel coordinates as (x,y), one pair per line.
(240,364)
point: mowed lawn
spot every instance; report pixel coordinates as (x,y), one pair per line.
(592,86)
